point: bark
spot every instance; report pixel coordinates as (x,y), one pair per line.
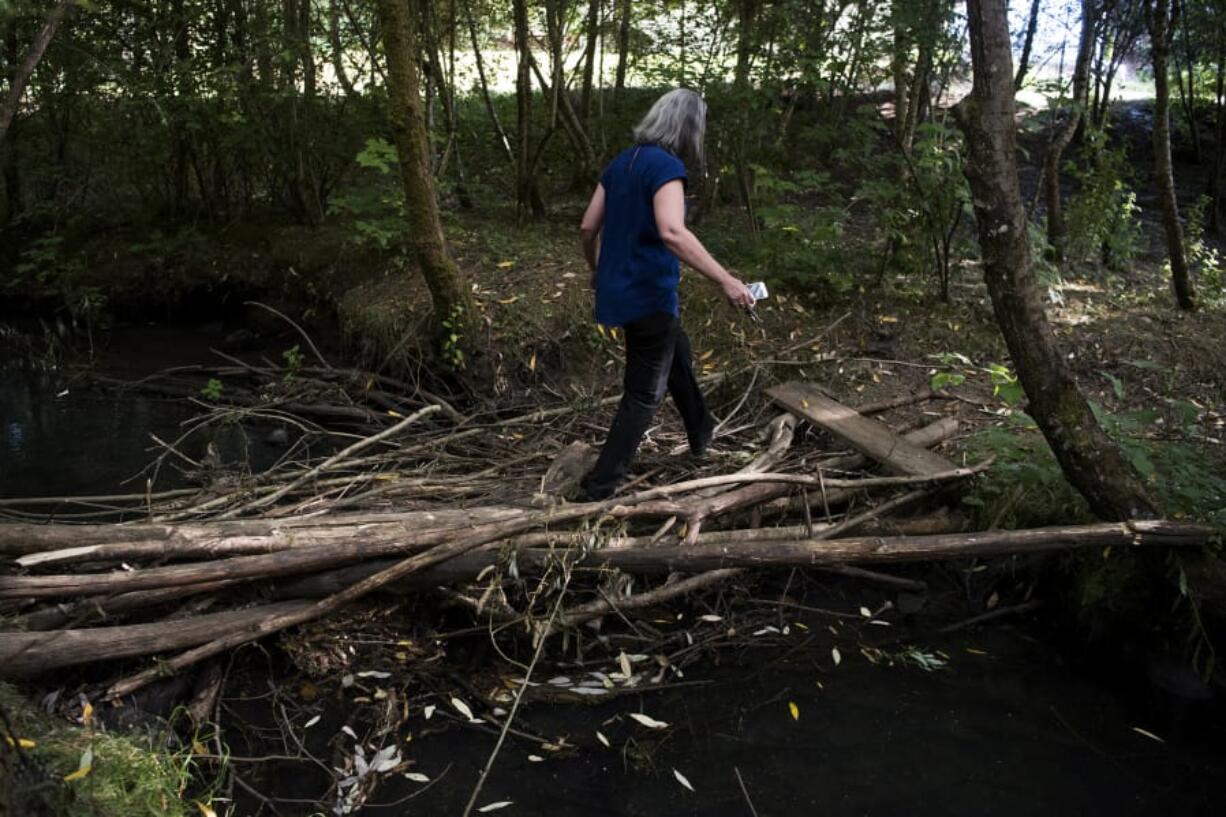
(574,129)
(623,50)
(527,198)
(1023,62)
(30,653)
(23,654)
(1161,20)
(338,50)
(500,133)
(1089,458)
(1219,149)
(589,59)
(450,294)
(1057,230)
(21,77)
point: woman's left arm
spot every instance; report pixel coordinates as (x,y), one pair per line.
(593,220)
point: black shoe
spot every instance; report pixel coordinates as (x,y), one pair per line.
(595,493)
(700,444)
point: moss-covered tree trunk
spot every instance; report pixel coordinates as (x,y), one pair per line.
(1161,20)
(451,296)
(1090,460)
(1057,230)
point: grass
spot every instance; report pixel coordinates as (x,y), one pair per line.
(128,775)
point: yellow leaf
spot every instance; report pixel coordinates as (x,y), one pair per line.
(205,809)
(706,354)
(505,264)
(79,773)
(395,414)
(532,363)
(510,300)
(24,743)
(794,709)
(370,383)
(87,713)
(888,319)
(198,747)
(804,403)
(974,651)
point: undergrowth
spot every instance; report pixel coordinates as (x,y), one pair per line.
(53,769)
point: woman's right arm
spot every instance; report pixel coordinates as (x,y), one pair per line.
(669,206)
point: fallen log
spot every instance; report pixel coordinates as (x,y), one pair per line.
(205,540)
(31,653)
(28,653)
(318,557)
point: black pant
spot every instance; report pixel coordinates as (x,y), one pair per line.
(658,356)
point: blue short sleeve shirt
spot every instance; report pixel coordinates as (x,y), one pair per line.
(637,275)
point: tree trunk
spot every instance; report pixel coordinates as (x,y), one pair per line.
(1219,150)
(1023,63)
(527,199)
(452,298)
(1089,458)
(1187,95)
(589,60)
(623,51)
(898,66)
(500,133)
(1161,20)
(23,72)
(1057,231)
(338,50)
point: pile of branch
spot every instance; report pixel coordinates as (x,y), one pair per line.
(221,571)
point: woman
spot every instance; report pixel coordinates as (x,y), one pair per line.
(638,216)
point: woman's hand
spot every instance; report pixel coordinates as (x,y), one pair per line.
(737,293)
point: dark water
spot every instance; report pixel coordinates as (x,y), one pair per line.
(62,435)
(82,442)
(1008,728)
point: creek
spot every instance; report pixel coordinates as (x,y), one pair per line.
(1018,721)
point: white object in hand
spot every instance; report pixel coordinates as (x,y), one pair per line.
(758,290)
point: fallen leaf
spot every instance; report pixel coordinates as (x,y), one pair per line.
(462,708)
(836,655)
(23,743)
(710,617)
(371,673)
(505,264)
(417,777)
(494,806)
(864,611)
(794,709)
(348,731)
(428,712)
(1147,734)
(682,780)
(600,737)
(623,661)
(648,721)
(532,363)
(84,767)
(311,722)
(205,809)
(536,759)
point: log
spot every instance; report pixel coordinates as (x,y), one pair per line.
(197,540)
(871,437)
(531,556)
(318,557)
(878,549)
(24,654)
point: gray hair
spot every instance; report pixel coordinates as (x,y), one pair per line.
(677,122)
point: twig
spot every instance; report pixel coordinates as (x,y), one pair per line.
(745,792)
(301,331)
(331,461)
(519,695)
